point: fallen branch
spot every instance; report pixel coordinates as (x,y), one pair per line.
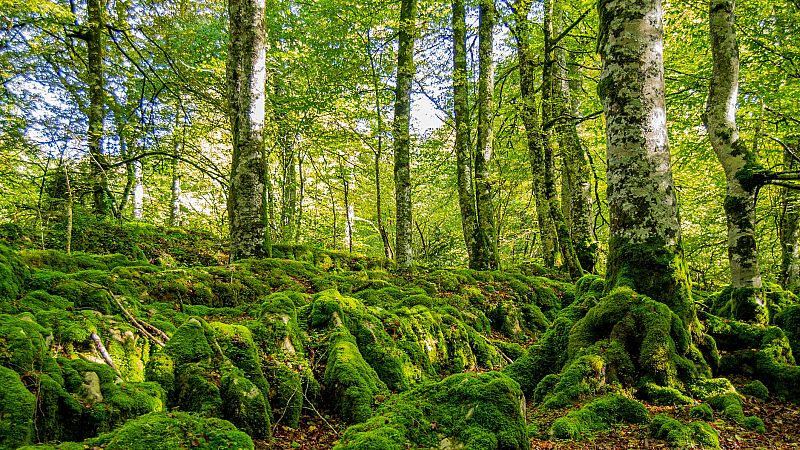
(104,353)
(136,323)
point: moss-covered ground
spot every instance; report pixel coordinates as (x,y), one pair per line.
(151,332)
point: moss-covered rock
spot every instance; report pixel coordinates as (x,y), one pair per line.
(702,411)
(467,411)
(678,435)
(730,407)
(585,376)
(755,389)
(598,415)
(17,406)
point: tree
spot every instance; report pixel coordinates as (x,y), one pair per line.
(402,134)
(246,77)
(742,170)
(645,235)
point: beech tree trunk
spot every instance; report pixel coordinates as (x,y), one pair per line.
(464,175)
(95,78)
(576,186)
(246,77)
(550,113)
(533,131)
(402,135)
(138,190)
(485,255)
(789,231)
(739,163)
(175,193)
(645,236)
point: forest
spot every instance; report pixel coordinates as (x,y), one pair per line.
(399,224)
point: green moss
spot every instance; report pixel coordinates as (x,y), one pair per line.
(743,304)
(236,342)
(349,381)
(197,389)
(706,388)
(161,369)
(789,321)
(13,274)
(678,435)
(755,389)
(584,376)
(22,344)
(598,415)
(16,410)
(663,395)
(244,404)
(189,344)
(755,424)
(702,412)
(168,431)
(730,406)
(465,410)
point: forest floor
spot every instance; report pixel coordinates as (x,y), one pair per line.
(782,421)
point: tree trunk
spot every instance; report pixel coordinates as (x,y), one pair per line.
(402,135)
(288,189)
(175,190)
(645,237)
(95,78)
(576,187)
(550,113)
(530,118)
(738,162)
(485,254)
(789,231)
(138,190)
(246,77)
(466,191)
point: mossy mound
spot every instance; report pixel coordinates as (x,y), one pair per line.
(755,389)
(730,407)
(702,412)
(206,380)
(166,431)
(16,410)
(678,435)
(13,273)
(467,411)
(598,415)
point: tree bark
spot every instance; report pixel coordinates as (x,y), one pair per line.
(645,237)
(576,187)
(95,79)
(402,134)
(138,190)
(175,189)
(485,252)
(530,118)
(789,231)
(464,175)
(738,162)
(550,113)
(246,77)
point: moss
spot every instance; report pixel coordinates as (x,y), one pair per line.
(755,424)
(124,401)
(755,389)
(13,274)
(584,376)
(161,369)
(167,431)
(22,344)
(702,412)
(470,411)
(663,395)
(349,381)
(58,414)
(598,415)
(244,404)
(678,435)
(743,304)
(789,321)
(17,407)
(730,406)
(236,342)
(189,344)
(710,387)
(197,389)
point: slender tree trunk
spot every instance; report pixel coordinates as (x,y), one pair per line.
(138,190)
(175,190)
(246,76)
(301,197)
(738,162)
(485,254)
(789,231)
(402,135)
(288,189)
(94,61)
(68,209)
(645,237)
(550,113)
(466,191)
(348,182)
(576,187)
(377,87)
(533,133)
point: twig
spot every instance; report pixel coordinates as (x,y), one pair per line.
(136,323)
(103,352)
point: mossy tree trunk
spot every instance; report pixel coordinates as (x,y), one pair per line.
(464,174)
(246,77)
(551,110)
(645,237)
(485,255)
(789,231)
(95,80)
(402,135)
(739,163)
(533,132)
(576,186)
